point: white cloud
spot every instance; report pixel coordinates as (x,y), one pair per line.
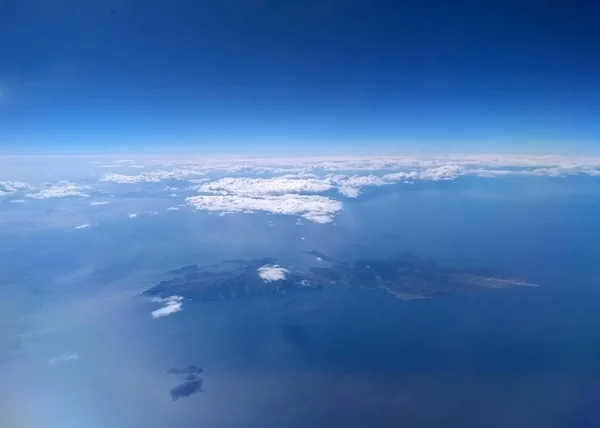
(173,209)
(152,177)
(270,273)
(17,201)
(99,203)
(134,215)
(172,304)
(318,209)
(82,226)
(63,358)
(10,187)
(60,189)
(264,186)
(445,172)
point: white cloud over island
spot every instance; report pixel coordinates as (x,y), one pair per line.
(172,304)
(271,273)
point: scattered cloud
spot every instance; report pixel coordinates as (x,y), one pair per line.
(173,209)
(82,226)
(152,177)
(311,188)
(318,209)
(172,304)
(264,186)
(134,215)
(60,189)
(63,358)
(271,273)
(10,187)
(17,201)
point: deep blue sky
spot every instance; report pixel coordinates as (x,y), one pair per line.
(334,76)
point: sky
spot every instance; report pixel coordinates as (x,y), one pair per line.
(299,76)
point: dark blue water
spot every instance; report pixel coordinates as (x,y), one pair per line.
(523,357)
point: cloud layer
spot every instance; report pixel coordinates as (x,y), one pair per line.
(311,188)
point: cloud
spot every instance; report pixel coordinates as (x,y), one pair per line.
(318,209)
(244,186)
(17,201)
(99,203)
(134,215)
(10,187)
(173,209)
(82,226)
(172,304)
(152,177)
(63,358)
(270,273)
(60,189)
(348,185)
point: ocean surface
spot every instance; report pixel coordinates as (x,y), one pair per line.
(521,357)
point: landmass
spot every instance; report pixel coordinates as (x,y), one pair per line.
(319,255)
(405,276)
(191,381)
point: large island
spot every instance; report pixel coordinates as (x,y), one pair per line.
(405,276)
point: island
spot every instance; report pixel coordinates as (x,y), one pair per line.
(405,276)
